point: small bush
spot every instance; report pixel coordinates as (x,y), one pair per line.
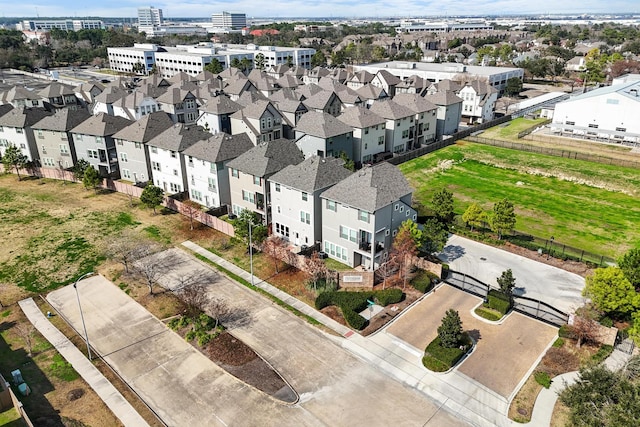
(389,296)
(543,379)
(204,338)
(423,281)
(603,352)
(354,319)
(447,356)
(189,336)
(558,343)
(324,299)
(488,313)
(498,302)
(606,322)
(566,331)
(173,323)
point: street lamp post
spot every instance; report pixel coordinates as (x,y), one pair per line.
(250,254)
(550,246)
(84,327)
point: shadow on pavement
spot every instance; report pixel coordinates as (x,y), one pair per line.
(451,253)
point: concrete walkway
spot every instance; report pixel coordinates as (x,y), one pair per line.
(458,394)
(105,390)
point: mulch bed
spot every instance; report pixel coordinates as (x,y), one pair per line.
(576,267)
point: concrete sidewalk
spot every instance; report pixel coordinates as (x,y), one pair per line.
(105,390)
(459,394)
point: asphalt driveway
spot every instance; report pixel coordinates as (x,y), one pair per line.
(559,288)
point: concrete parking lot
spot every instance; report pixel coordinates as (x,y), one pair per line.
(335,388)
(543,282)
(503,354)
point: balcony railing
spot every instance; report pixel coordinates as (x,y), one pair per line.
(366,246)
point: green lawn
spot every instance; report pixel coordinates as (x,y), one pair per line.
(510,130)
(549,193)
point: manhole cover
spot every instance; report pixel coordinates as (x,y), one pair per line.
(522,411)
(482,258)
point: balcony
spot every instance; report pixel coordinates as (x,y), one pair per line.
(366,247)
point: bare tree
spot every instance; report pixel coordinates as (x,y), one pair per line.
(126,248)
(274,247)
(191,208)
(220,310)
(386,270)
(316,268)
(585,330)
(193,296)
(150,266)
(26,331)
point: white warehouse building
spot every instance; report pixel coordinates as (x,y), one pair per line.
(606,114)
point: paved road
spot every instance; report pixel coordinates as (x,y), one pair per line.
(105,390)
(336,388)
(552,285)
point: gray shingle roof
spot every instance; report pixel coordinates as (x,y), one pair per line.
(390,79)
(101,125)
(320,100)
(322,125)
(23,117)
(360,117)
(56,89)
(220,147)
(110,95)
(370,91)
(390,109)
(315,173)
(173,96)
(268,158)
(443,98)
(179,137)
(63,120)
(370,188)
(414,102)
(145,129)
(221,104)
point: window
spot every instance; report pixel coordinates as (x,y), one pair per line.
(212,184)
(196,195)
(331,205)
(1,129)
(366,131)
(64,149)
(137,145)
(175,172)
(191,117)
(363,216)
(305,217)
(248,196)
(348,234)
(282,230)
(123,157)
(173,154)
(621,129)
(175,188)
(593,126)
(99,139)
(92,154)
(570,123)
(47,161)
(234,173)
(19,130)
(257,181)
(335,250)
(405,133)
(154,150)
(278,188)
(40,134)
(381,140)
(305,196)
(155,166)
(126,173)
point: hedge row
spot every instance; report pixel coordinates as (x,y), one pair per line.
(351,303)
(447,357)
(488,314)
(498,301)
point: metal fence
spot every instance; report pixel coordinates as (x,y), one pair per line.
(556,152)
(532,128)
(528,306)
(540,310)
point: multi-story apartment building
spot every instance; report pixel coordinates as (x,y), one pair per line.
(54,139)
(132,149)
(399,130)
(478,101)
(249,175)
(368,133)
(168,166)
(180,104)
(426,119)
(295,198)
(16,129)
(207,172)
(362,213)
(260,120)
(321,134)
(94,142)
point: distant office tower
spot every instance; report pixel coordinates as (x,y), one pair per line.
(149,16)
(229,20)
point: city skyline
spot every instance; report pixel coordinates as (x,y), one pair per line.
(327,9)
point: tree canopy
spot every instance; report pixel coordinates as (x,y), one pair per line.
(507,282)
(13,158)
(152,196)
(442,205)
(503,218)
(611,292)
(474,215)
(629,263)
(241,227)
(450,331)
(91,179)
(214,66)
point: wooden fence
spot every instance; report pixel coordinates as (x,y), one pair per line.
(15,401)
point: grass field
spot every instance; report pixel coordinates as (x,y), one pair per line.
(587,205)
(510,130)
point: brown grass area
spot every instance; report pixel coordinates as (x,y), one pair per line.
(560,416)
(557,360)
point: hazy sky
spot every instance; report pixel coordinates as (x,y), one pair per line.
(319,8)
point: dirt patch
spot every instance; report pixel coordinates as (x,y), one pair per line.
(389,312)
(522,405)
